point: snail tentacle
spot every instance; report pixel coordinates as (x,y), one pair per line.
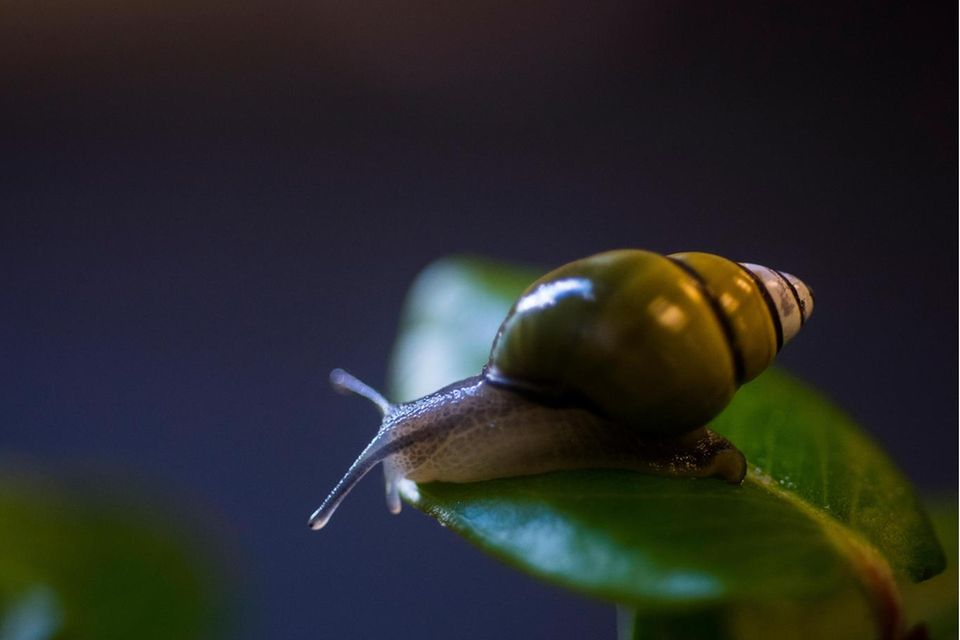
(386,443)
(347,383)
(392,477)
(375,452)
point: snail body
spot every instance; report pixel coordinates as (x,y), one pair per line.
(613,361)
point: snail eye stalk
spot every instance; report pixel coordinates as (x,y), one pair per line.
(377,451)
(347,383)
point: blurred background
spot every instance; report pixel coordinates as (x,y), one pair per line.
(205,206)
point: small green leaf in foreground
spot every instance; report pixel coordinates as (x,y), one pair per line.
(82,568)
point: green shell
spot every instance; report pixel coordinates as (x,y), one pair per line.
(658,342)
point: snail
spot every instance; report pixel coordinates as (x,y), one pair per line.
(618,360)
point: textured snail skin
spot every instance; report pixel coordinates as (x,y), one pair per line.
(474,430)
(613,361)
(478,431)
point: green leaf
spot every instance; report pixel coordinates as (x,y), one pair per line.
(799,442)
(646,540)
(822,514)
(934,602)
(76,568)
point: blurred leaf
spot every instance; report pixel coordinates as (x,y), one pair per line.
(934,602)
(844,614)
(821,514)
(452,312)
(35,615)
(75,568)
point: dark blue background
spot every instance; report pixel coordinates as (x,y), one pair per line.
(208,205)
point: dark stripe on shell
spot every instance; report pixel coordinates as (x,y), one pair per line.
(735,351)
(796,294)
(771,306)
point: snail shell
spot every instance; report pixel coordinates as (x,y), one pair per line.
(658,342)
(613,361)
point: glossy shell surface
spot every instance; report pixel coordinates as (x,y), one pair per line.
(658,342)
